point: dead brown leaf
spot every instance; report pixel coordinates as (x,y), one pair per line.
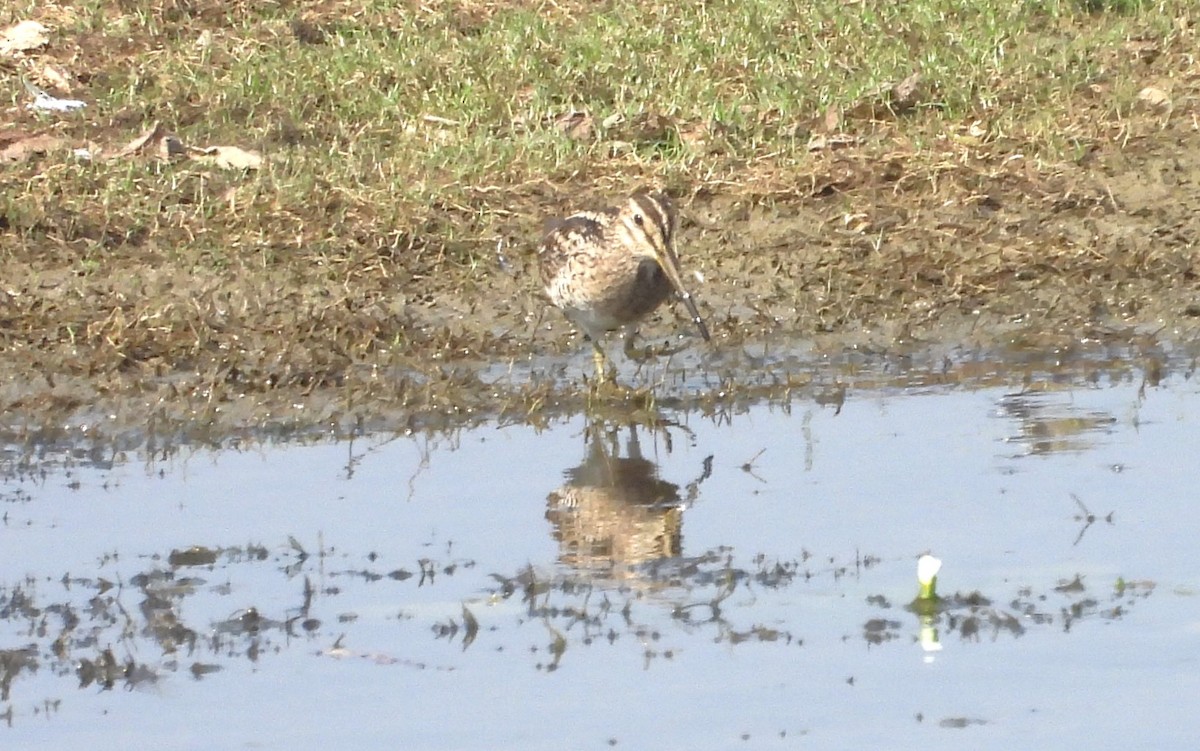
(56,77)
(228,157)
(650,127)
(612,120)
(20,147)
(156,142)
(576,125)
(1145,50)
(821,141)
(140,143)
(440,129)
(976,133)
(697,136)
(22,37)
(907,93)
(889,100)
(1155,98)
(833,119)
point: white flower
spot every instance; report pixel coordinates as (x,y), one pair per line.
(927,569)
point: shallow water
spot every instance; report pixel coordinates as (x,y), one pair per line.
(739,580)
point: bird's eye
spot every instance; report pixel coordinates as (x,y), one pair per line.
(637,219)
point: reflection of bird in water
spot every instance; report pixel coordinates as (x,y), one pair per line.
(611,268)
(1051,424)
(615,510)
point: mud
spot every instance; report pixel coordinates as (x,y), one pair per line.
(992,252)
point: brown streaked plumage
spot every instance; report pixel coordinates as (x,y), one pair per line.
(611,268)
(614,511)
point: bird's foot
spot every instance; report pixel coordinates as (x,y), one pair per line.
(643,354)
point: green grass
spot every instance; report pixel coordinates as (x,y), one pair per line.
(363,92)
(398,113)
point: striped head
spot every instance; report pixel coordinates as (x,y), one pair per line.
(649,221)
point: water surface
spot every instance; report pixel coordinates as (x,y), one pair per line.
(737,579)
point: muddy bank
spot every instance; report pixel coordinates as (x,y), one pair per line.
(1002,254)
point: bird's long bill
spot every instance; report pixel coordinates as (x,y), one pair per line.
(671,268)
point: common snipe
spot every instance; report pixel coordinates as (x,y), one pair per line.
(610,268)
